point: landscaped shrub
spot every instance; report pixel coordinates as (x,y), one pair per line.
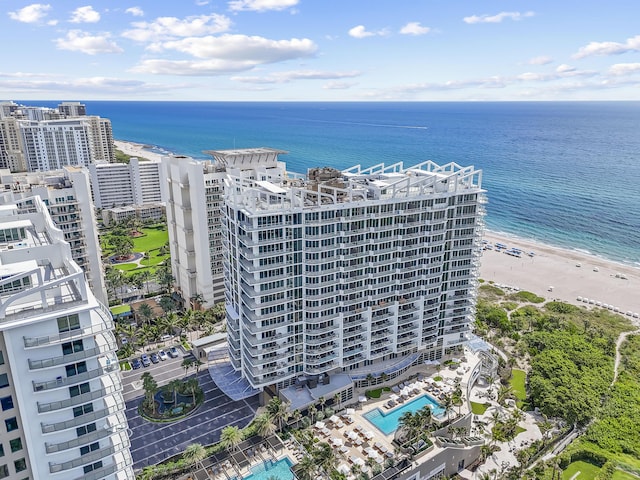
(525,296)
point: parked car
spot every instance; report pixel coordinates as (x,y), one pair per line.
(144,358)
(135,364)
(155,358)
(162,355)
(173,352)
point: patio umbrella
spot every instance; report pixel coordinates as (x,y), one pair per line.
(336,442)
(368,434)
(351,411)
(344,469)
(319,425)
(352,435)
(359,461)
(372,454)
(362,399)
(334,419)
(393,397)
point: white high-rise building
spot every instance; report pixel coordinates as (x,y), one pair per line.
(139,182)
(62,407)
(67,194)
(364,271)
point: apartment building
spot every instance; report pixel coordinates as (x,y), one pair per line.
(67,194)
(62,411)
(11,148)
(362,271)
(195,191)
(139,182)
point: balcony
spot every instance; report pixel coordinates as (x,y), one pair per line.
(90,457)
(74,357)
(77,442)
(80,399)
(105,471)
(321,339)
(329,347)
(75,379)
(94,329)
(83,419)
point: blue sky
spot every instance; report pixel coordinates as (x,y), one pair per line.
(324,50)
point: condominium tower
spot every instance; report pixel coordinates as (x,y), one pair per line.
(62,407)
(365,271)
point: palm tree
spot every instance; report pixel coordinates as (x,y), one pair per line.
(306,468)
(296,416)
(194,453)
(192,385)
(336,400)
(145,276)
(504,392)
(170,322)
(312,412)
(174,385)
(197,300)
(324,456)
(447,403)
(322,401)
(187,363)
(408,423)
(423,418)
(278,411)
(230,437)
(150,387)
(264,425)
(145,312)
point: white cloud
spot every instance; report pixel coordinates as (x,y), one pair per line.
(84,15)
(169,27)
(620,69)
(192,68)
(261,5)
(338,85)
(498,18)
(285,77)
(79,41)
(95,85)
(414,28)
(202,3)
(609,48)
(135,11)
(361,32)
(564,68)
(541,60)
(243,48)
(31,13)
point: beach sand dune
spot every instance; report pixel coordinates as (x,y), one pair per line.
(570,273)
(136,150)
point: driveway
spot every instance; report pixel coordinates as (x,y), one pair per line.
(152,443)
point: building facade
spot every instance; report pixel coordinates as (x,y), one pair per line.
(361,271)
(139,182)
(60,389)
(195,193)
(67,194)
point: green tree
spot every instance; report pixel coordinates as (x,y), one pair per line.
(145,313)
(306,468)
(165,277)
(230,438)
(187,363)
(114,279)
(278,411)
(173,386)
(193,386)
(122,246)
(150,387)
(194,453)
(264,425)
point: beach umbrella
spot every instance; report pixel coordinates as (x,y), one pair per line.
(319,425)
(337,442)
(362,399)
(344,469)
(393,397)
(359,461)
(372,454)
(368,434)
(351,411)
(334,419)
(352,435)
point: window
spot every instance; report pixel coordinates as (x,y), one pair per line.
(92,467)
(6,402)
(89,448)
(68,323)
(80,431)
(1,450)
(76,368)
(72,347)
(4,471)
(20,465)
(11,424)
(1,358)
(16,444)
(79,389)
(4,380)
(83,409)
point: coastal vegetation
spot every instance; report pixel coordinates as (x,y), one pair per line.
(566,356)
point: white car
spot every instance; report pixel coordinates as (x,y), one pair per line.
(162,355)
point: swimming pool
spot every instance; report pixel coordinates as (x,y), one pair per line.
(267,469)
(387,422)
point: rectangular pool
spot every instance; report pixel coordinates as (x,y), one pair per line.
(387,422)
(269,469)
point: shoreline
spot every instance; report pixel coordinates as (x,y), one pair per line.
(551,266)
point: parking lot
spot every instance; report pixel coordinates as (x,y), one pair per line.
(152,442)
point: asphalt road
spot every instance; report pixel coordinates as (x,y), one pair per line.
(152,442)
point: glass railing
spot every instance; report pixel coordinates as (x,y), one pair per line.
(75,379)
(73,357)
(82,419)
(80,399)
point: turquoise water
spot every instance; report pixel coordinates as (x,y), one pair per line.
(280,470)
(387,422)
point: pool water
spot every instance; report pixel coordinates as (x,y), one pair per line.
(280,470)
(387,422)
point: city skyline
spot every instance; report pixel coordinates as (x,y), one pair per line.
(293,50)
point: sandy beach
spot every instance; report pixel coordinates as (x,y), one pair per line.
(571,274)
(136,150)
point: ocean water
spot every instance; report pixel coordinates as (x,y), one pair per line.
(562,173)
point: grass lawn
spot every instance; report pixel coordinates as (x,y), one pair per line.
(587,471)
(479,408)
(125,267)
(517,383)
(124,365)
(620,475)
(374,393)
(153,238)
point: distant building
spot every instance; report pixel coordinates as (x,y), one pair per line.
(139,182)
(67,194)
(146,212)
(63,414)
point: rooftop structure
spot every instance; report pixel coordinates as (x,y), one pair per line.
(59,375)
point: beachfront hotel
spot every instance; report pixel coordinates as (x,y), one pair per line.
(62,414)
(340,277)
